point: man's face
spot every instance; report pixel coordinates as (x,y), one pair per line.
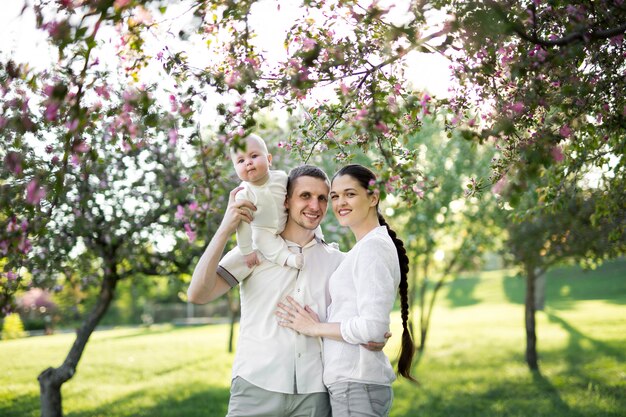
(308,202)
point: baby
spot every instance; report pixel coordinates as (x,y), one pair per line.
(266,189)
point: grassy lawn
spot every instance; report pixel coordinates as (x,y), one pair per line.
(474,365)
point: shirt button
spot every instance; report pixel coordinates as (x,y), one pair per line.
(298,290)
(299,355)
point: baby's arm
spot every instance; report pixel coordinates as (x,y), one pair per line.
(252,259)
(244,231)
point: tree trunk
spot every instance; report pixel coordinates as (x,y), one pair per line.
(531,336)
(423,319)
(540,289)
(233,307)
(51,379)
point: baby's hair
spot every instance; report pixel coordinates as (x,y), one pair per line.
(241,144)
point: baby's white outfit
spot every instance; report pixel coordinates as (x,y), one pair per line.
(270,217)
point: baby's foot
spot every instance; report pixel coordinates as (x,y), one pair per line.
(295,261)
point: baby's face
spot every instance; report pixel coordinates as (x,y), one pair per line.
(252,163)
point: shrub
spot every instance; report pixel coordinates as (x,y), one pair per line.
(12,327)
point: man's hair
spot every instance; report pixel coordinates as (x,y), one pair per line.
(305,171)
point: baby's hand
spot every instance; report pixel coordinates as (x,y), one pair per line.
(252,259)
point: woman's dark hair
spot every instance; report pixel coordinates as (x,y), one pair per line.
(365,176)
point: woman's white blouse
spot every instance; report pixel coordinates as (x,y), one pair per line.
(362,291)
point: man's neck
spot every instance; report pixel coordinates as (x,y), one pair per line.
(297,234)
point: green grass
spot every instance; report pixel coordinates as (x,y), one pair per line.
(474,364)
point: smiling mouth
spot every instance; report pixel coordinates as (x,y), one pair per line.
(344,212)
(311,216)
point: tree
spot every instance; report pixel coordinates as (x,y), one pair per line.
(551,238)
(551,74)
(445,232)
(102,179)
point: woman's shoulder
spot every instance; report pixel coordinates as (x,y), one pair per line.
(377,241)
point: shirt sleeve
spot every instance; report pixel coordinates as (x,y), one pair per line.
(244,230)
(376,280)
(232,267)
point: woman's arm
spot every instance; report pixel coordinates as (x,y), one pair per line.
(376,278)
(306,321)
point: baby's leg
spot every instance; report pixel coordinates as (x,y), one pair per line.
(274,249)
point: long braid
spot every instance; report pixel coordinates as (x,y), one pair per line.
(408,347)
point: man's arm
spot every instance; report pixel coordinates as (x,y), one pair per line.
(206,285)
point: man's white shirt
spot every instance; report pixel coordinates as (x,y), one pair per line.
(269,356)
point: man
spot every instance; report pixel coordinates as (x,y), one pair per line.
(276,372)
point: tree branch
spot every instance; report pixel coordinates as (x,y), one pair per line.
(583,35)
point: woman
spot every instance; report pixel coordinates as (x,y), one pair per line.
(362,291)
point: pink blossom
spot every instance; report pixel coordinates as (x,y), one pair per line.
(102,91)
(142,15)
(75,160)
(3,122)
(382,127)
(24,246)
(308,44)
(232,79)
(72,125)
(518,107)
(557,154)
(34,193)
(190,233)
(4,247)
(81,147)
(418,191)
(565,131)
(361,114)
(180,212)
(253,62)
(13,162)
(193,206)
(52,28)
(173,103)
(344,89)
(120,4)
(499,186)
(12,226)
(185,109)
(48,90)
(173,136)
(52,110)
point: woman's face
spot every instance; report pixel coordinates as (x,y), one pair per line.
(351,202)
